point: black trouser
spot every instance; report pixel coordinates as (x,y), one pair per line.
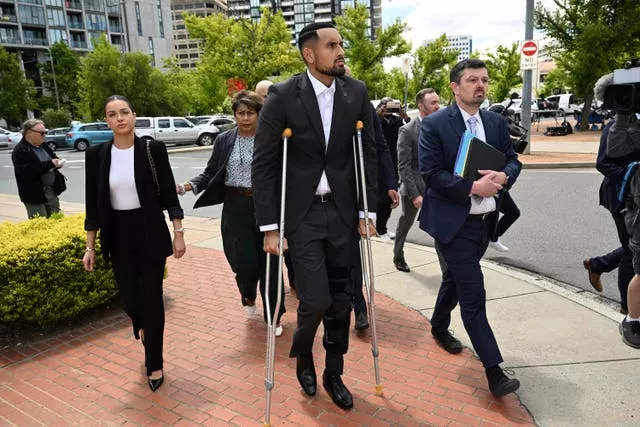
(510,213)
(359,303)
(321,250)
(243,246)
(384,211)
(463,282)
(620,258)
(139,277)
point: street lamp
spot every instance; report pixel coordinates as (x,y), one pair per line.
(53,72)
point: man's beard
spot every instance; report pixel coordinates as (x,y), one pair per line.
(332,72)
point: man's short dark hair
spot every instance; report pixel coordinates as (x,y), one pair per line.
(422,93)
(458,69)
(310,32)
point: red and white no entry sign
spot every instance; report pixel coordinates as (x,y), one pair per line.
(529,48)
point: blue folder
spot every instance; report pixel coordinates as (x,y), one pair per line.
(475,154)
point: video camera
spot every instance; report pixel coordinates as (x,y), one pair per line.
(624,94)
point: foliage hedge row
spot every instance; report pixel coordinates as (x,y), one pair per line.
(42,279)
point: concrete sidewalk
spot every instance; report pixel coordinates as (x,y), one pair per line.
(562,343)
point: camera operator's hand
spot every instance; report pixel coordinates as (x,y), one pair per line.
(381,110)
(486,186)
(404,114)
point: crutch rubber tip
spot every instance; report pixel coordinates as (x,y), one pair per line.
(287,133)
(359,125)
(378,390)
(267,424)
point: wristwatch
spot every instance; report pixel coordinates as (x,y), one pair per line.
(506,180)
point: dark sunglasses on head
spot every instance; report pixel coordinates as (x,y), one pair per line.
(41,132)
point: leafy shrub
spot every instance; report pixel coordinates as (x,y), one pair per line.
(56,118)
(42,279)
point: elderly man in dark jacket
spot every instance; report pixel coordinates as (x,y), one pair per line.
(35,168)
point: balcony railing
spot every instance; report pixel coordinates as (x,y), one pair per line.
(10,40)
(35,41)
(78,44)
(73,4)
(115,28)
(76,25)
(8,18)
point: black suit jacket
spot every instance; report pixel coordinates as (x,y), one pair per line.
(98,198)
(210,183)
(293,104)
(446,203)
(29,170)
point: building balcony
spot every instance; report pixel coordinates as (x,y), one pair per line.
(115,28)
(36,41)
(78,44)
(10,40)
(8,18)
(74,25)
(322,10)
(73,4)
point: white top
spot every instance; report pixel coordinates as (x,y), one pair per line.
(325,105)
(122,181)
(479,205)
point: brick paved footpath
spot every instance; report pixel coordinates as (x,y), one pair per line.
(214,369)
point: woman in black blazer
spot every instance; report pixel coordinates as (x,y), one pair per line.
(128,185)
(227,178)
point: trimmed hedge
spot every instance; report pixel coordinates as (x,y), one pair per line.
(42,279)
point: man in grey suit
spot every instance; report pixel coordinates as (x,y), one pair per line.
(412,184)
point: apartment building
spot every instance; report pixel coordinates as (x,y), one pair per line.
(187,51)
(30,27)
(463,44)
(298,13)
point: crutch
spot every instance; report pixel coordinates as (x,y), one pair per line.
(366,254)
(271,320)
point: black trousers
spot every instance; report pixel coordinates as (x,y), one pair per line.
(321,250)
(510,213)
(620,258)
(139,277)
(463,282)
(243,246)
(384,212)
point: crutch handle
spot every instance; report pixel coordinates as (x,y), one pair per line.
(287,133)
(359,125)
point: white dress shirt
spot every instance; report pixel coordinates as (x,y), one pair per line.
(122,181)
(479,205)
(325,105)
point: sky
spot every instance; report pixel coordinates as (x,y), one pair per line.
(489,22)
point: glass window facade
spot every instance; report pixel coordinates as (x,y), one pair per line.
(160,20)
(138,18)
(55,17)
(9,35)
(97,5)
(96,22)
(57,35)
(31,15)
(58,3)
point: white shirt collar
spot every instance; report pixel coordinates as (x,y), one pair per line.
(319,87)
(465,116)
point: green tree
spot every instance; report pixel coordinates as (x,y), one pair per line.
(201,92)
(504,71)
(106,71)
(591,37)
(364,53)
(56,118)
(431,66)
(556,79)
(67,66)
(238,48)
(16,91)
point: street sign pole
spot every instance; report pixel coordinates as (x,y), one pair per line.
(527,77)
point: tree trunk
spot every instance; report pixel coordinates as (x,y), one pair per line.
(586,111)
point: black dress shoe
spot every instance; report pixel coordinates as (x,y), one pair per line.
(362,321)
(155,384)
(401,265)
(306,373)
(447,341)
(339,393)
(500,384)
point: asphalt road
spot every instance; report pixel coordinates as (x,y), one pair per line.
(561,221)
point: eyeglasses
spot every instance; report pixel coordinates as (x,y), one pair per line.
(41,132)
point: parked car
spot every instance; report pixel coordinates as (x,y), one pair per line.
(516,106)
(565,102)
(5,134)
(56,138)
(223,123)
(14,138)
(175,130)
(83,135)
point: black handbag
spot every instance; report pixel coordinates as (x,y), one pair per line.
(59,182)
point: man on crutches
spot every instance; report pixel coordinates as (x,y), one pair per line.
(321,107)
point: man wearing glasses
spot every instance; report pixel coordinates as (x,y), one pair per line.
(35,168)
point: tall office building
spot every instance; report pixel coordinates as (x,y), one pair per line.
(463,44)
(30,27)
(187,51)
(298,13)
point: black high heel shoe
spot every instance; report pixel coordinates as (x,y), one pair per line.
(155,384)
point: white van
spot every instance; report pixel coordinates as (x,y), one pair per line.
(564,102)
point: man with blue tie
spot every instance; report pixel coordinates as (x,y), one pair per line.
(461,214)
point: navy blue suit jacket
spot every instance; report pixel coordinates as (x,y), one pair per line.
(446,202)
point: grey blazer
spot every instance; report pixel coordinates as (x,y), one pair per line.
(412,183)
